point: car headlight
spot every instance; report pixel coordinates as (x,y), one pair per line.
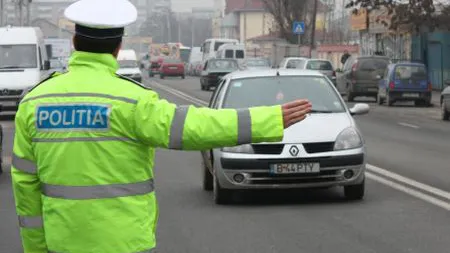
(349,138)
(243,149)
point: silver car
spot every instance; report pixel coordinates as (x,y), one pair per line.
(323,66)
(325,150)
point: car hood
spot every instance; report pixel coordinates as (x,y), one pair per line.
(318,128)
(19,79)
(128,71)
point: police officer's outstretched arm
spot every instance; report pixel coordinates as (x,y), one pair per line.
(166,125)
(27,189)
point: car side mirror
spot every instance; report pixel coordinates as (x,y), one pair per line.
(360,109)
(46,65)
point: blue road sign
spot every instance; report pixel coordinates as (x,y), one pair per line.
(298,27)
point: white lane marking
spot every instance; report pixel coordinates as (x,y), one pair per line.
(415,193)
(374,169)
(408,125)
(408,181)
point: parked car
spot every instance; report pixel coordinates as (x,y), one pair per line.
(445,102)
(172,67)
(325,150)
(359,76)
(257,63)
(405,82)
(214,70)
(323,66)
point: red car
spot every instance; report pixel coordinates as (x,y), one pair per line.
(172,67)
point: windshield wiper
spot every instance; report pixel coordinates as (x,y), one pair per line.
(321,111)
(10,67)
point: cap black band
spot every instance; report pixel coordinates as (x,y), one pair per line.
(95,33)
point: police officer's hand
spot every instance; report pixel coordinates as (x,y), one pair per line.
(295,111)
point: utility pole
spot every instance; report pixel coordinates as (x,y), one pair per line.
(313,32)
(1,13)
(192,32)
(179,27)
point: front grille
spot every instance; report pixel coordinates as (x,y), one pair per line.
(7,92)
(268,149)
(318,147)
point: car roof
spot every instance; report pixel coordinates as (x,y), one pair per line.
(272,73)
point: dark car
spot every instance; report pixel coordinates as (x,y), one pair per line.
(172,67)
(405,82)
(214,70)
(445,102)
(360,76)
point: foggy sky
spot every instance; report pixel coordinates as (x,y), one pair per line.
(186,5)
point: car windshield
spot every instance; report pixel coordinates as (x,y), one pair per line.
(18,56)
(410,72)
(128,64)
(257,63)
(222,64)
(319,65)
(268,91)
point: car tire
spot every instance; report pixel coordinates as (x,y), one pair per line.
(208,179)
(355,192)
(221,196)
(445,115)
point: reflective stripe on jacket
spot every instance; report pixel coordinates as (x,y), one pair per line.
(83,156)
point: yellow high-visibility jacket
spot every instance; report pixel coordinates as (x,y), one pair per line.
(84,150)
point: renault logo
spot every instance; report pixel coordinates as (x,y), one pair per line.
(5,92)
(294,151)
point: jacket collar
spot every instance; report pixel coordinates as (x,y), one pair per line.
(102,62)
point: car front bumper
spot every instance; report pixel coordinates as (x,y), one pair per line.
(256,171)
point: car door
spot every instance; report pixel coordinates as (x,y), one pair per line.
(204,72)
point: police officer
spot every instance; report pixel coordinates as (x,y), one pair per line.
(84,145)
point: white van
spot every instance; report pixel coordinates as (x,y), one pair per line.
(23,63)
(210,47)
(231,51)
(129,66)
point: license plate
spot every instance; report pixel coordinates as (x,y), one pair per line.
(295,168)
(410,95)
(173,68)
(373,89)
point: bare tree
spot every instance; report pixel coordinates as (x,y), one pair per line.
(415,13)
(285,12)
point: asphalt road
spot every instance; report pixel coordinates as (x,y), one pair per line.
(408,211)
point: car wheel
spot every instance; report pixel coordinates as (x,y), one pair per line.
(221,196)
(355,192)
(445,115)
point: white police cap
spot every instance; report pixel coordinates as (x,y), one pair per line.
(101,19)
